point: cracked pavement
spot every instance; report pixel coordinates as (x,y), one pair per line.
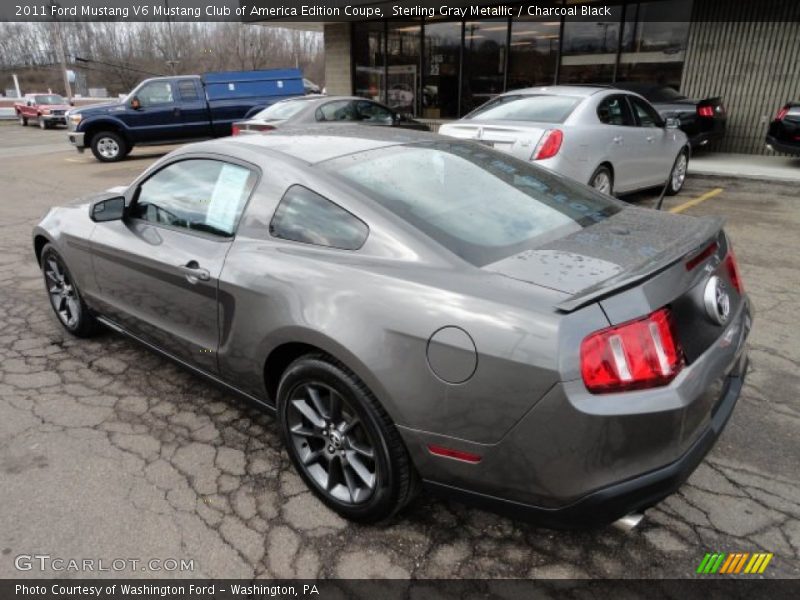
(109,451)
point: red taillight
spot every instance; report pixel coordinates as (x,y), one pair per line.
(705,111)
(452,453)
(782,113)
(550,144)
(733,270)
(632,356)
(236,129)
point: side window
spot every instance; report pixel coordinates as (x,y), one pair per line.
(305,216)
(155,92)
(187,90)
(613,110)
(340,110)
(196,194)
(645,114)
(373,113)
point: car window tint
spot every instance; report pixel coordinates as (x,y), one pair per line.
(646,114)
(199,195)
(340,110)
(155,92)
(614,111)
(305,216)
(478,203)
(545,108)
(187,90)
(280,111)
(373,113)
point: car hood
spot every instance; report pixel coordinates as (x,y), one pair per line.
(98,109)
(626,248)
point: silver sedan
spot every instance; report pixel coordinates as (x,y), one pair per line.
(611,139)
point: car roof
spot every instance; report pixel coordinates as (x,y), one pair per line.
(562,90)
(315,143)
(321,97)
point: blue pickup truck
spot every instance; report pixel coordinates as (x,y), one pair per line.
(166,110)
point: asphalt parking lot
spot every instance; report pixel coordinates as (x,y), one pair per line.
(108,451)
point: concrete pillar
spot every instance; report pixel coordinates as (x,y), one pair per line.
(338,78)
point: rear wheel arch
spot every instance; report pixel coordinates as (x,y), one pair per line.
(39,242)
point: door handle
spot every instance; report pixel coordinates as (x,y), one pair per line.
(618,139)
(194,273)
(176,111)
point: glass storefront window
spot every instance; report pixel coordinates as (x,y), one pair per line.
(533,53)
(442,66)
(368,60)
(403,76)
(589,52)
(653,49)
(484,71)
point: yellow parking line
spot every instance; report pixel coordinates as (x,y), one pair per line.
(696,201)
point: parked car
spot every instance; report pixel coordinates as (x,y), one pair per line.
(614,141)
(416,308)
(784,131)
(310,87)
(703,121)
(46,109)
(165,110)
(309,110)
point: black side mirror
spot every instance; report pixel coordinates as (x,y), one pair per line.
(110,209)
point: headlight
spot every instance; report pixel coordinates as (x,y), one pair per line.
(46,111)
(75,118)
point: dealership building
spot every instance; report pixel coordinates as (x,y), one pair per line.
(441,67)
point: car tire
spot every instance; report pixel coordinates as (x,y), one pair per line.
(64,295)
(23,120)
(677,176)
(602,180)
(351,457)
(108,146)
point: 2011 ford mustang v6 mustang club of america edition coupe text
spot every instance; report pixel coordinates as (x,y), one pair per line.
(418,309)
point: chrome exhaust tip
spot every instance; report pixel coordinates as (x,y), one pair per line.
(629,522)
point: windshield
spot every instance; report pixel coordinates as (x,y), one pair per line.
(544,108)
(280,111)
(50,99)
(478,203)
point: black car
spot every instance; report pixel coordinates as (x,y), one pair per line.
(784,132)
(703,121)
(307,110)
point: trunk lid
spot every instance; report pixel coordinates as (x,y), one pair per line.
(615,253)
(518,138)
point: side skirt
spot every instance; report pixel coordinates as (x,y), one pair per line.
(196,370)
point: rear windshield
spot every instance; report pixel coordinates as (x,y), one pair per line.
(50,99)
(478,203)
(544,108)
(280,111)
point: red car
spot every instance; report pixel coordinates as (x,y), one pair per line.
(47,109)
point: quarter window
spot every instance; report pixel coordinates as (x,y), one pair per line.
(305,216)
(198,195)
(187,90)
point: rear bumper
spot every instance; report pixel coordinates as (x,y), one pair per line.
(609,503)
(781,146)
(578,459)
(699,140)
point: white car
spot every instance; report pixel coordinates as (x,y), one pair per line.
(610,139)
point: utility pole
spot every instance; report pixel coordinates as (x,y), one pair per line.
(62,57)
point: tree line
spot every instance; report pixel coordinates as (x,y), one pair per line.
(116,56)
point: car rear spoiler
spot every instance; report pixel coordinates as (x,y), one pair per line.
(712,226)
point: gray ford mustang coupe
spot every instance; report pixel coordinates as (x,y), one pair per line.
(422,310)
